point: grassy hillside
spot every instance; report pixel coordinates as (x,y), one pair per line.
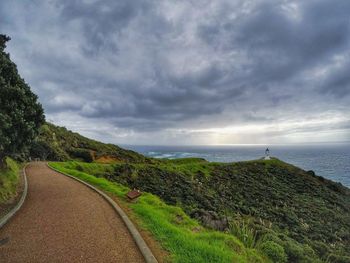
(60,144)
(284,212)
(9,178)
(184,238)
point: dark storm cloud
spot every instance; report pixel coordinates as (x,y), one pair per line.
(101,21)
(278,45)
(148,65)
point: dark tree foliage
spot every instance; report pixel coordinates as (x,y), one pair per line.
(20,113)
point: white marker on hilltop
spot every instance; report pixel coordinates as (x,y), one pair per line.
(267,154)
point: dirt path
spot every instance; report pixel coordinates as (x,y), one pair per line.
(64,221)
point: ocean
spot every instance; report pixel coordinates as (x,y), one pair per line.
(331,161)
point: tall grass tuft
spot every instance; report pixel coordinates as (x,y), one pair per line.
(246,234)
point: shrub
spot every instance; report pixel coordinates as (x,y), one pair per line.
(244,233)
(321,249)
(274,251)
(40,149)
(311,173)
(338,259)
(83,154)
(294,251)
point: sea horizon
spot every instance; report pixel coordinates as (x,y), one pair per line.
(330,160)
(232,144)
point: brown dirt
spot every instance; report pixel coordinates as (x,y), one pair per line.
(107,159)
(64,221)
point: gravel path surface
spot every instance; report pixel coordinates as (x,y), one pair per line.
(64,221)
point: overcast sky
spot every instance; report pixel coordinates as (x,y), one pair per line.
(187,72)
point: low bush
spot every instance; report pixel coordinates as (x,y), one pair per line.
(333,258)
(274,251)
(81,154)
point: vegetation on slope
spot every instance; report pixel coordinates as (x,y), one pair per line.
(290,214)
(184,238)
(9,178)
(59,144)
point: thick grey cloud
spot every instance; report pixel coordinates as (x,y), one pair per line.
(148,71)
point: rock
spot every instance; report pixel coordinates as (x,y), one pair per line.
(196,229)
(179,219)
(211,219)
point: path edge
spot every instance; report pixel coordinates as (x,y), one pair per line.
(140,242)
(18,206)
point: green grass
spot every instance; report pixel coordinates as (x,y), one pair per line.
(9,178)
(187,166)
(181,236)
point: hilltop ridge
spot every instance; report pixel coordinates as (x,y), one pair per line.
(60,144)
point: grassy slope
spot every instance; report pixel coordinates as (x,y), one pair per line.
(308,216)
(60,144)
(182,236)
(9,179)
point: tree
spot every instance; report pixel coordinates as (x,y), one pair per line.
(41,149)
(20,113)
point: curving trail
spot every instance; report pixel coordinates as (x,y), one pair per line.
(64,221)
